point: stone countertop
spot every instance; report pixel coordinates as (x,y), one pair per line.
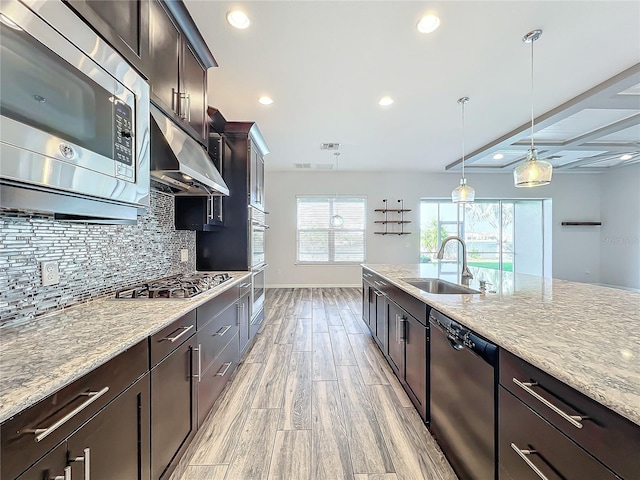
(42,355)
(587,336)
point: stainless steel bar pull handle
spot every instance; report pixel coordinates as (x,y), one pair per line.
(572,419)
(226,368)
(42,433)
(222,331)
(524,456)
(183,332)
(86,459)
(378,294)
(199,374)
(66,476)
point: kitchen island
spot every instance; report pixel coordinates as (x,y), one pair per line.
(587,336)
(517,376)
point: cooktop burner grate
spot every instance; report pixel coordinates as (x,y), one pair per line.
(186,285)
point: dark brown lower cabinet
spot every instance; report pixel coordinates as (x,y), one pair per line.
(50,466)
(216,376)
(113,444)
(530,448)
(244,319)
(173,408)
(407,354)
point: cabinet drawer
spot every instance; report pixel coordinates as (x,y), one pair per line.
(63,412)
(541,446)
(215,377)
(608,436)
(216,306)
(216,334)
(171,337)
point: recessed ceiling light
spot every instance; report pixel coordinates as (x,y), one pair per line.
(498,156)
(265,100)
(238,19)
(428,24)
(626,156)
(385,101)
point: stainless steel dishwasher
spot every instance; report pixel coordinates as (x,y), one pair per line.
(462,398)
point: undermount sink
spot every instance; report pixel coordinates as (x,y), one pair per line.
(437,286)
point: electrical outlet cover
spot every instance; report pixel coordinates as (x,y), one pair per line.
(50,273)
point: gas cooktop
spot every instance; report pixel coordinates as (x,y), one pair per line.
(186,285)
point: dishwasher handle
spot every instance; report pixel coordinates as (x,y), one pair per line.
(487,351)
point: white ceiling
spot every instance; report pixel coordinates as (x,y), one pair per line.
(327,63)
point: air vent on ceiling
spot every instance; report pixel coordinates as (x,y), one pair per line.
(302,165)
(324,166)
(329,146)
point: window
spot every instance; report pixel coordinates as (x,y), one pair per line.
(319,241)
(496,233)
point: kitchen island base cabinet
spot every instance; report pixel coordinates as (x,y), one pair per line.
(529,444)
(408,354)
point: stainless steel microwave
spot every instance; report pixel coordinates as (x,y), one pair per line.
(74,115)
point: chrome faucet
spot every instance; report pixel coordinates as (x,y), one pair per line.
(466,274)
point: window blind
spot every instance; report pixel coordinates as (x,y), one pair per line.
(320,242)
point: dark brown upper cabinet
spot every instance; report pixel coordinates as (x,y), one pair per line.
(123,24)
(178,63)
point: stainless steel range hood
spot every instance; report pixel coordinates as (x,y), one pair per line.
(179,162)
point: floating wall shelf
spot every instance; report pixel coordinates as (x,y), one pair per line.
(582,224)
(398,219)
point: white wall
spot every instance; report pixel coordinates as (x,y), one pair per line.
(575,198)
(620,241)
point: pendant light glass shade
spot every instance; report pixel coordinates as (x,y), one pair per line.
(463,193)
(534,172)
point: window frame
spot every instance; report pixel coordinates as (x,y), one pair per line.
(331,231)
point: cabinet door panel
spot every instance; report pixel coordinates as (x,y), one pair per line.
(116,440)
(554,454)
(381,320)
(172,406)
(244,320)
(395,338)
(193,99)
(123,24)
(52,465)
(164,57)
(416,362)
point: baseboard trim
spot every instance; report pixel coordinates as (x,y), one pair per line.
(313,285)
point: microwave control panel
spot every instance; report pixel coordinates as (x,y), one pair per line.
(123,140)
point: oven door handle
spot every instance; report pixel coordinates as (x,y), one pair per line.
(260,268)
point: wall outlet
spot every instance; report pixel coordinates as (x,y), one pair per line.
(50,273)
(184,255)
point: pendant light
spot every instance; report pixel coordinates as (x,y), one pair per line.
(463,193)
(336,221)
(534,172)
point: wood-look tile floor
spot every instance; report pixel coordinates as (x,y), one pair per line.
(313,399)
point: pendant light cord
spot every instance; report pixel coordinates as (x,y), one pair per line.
(532,99)
(463,149)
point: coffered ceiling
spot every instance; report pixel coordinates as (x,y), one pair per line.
(327,63)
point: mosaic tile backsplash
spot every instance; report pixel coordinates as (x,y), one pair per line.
(94,260)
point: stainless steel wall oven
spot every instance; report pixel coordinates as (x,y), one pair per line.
(74,114)
(258,228)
